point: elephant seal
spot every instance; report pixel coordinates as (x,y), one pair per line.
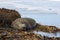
(24,23)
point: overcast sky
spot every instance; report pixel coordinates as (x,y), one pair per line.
(41,6)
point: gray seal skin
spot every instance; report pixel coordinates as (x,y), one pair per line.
(24,23)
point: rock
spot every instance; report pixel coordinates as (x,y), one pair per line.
(17,35)
(12,34)
(24,23)
(7,16)
(46,28)
(54,28)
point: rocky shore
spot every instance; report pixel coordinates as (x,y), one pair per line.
(7,32)
(11,34)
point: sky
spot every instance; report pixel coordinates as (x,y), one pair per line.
(35,6)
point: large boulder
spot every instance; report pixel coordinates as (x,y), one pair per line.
(7,16)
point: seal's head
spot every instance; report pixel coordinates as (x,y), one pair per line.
(23,23)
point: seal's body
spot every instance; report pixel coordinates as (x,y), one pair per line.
(24,23)
(7,16)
